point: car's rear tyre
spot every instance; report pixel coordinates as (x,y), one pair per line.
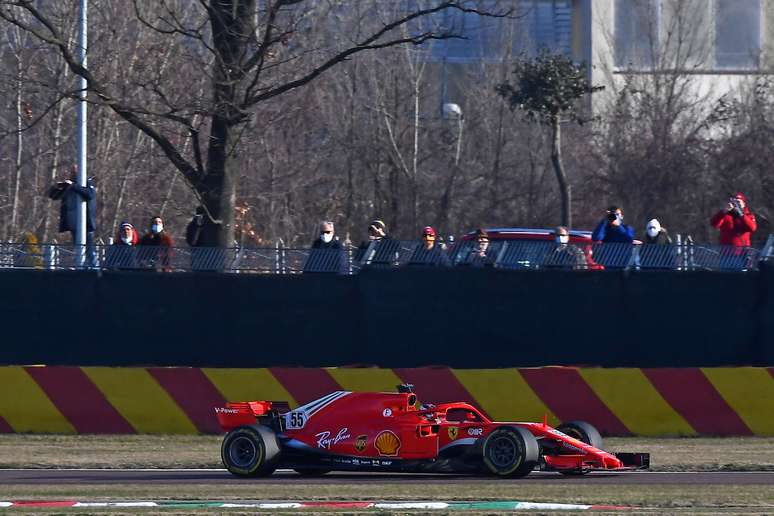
(311,472)
(510,451)
(585,433)
(250,451)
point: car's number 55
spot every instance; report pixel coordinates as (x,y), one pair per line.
(295,420)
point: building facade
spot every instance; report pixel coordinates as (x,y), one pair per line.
(718,46)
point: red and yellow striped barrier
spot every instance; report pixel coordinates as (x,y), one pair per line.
(179,400)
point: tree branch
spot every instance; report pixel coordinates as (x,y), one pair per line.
(189,172)
(370,44)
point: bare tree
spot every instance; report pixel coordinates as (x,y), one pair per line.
(257,54)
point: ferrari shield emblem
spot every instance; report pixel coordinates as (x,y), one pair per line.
(361,442)
(453,432)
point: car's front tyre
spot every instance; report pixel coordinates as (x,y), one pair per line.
(585,433)
(250,451)
(510,451)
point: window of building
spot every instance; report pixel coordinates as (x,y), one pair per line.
(636,33)
(686,40)
(737,33)
(539,24)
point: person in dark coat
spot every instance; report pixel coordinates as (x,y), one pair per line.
(480,254)
(429,253)
(655,233)
(663,257)
(367,251)
(565,255)
(71,194)
(156,247)
(193,231)
(327,253)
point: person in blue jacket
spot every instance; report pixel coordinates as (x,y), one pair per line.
(612,228)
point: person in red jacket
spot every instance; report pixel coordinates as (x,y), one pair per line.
(156,247)
(735,222)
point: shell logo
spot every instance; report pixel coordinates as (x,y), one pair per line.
(387,443)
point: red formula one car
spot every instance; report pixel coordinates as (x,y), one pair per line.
(378,431)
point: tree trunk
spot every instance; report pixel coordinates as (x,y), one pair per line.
(218,189)
(231,25)
(565,190)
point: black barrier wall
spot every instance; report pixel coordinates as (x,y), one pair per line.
(464,318)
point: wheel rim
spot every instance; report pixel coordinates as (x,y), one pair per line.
(242,452)
(503,452)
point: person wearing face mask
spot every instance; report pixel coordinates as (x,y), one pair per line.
(327,253)
(565,255)
(655,233)
(122,254)
(612,229)
(157,244)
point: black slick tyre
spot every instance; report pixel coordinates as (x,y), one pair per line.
(582,431)
(585,433)
(510,451)
(250,451)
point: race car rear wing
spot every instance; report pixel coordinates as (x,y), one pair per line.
(240,413)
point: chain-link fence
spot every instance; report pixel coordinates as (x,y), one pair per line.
(513,254)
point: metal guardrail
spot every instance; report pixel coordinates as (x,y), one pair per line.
(512,254)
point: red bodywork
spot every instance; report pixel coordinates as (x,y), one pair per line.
(391,427)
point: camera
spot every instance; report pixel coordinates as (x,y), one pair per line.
(737,207)
(611,216)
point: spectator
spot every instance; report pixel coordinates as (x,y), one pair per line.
(193,231)
(127,235)
(478,256)
(71,194)
(202,259)
(655,233)
(565,255)
(366,251)
(158,247)
(327,253)
(612,228)
(429,252)
(29,253)
(735,222)
(123,253)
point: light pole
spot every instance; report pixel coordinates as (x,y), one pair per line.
(80,227)
(453,111)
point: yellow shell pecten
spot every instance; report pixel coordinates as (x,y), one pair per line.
(387,443)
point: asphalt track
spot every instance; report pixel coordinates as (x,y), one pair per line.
(217,476)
